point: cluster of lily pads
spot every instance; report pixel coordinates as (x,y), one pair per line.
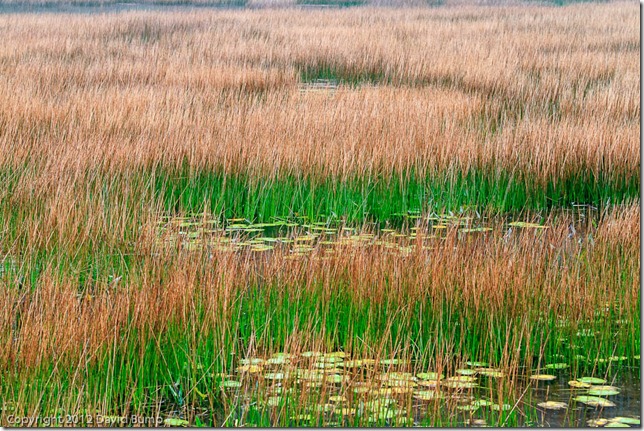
(302,236)
(342,391)
(589,391)
(357,391)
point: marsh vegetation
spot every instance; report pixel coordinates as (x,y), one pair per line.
(362,216)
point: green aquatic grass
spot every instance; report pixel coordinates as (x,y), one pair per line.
(141,192)
(177,366)
(380,198)
(174,369)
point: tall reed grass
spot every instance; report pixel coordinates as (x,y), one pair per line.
(109,122)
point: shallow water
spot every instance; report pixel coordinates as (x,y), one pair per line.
(340,393)
(299,236)
(628,401)
(98,8)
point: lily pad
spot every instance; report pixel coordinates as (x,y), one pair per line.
(461,379)
(492,373)
(476,364)
(176,422)
(394,361)
(603,390)
(624,420)
(251,361)
(578,385)
(251,369)
(428,395)
(527,225)
(543,377)
(553,405)
(430,376)
(334,378)
(337,399)
(231,384)
(477,229)
(557,366)
(594,401)
(591,380)
(468,407)
(429,383)
(460,385)
(280,360)
(275,376)
(597,422)
(357,363)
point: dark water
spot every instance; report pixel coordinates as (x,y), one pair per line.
(628,401)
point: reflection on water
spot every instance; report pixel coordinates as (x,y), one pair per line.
(627,402)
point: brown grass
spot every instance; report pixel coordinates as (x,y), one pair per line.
(88,102)
(534,90)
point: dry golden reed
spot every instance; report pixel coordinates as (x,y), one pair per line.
(539,91)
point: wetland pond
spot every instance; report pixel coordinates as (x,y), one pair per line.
(299,235)
(349,392)
(336,389)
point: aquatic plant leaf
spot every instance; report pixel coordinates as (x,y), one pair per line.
(461,379)
(428,395)
(276,376)
(460,385)
(594,401)
(578,385)
(492,373)
(430,376)
(625,420)
(251,369)
(553,405)
(468,407)
(338,399)
(175,422)
(334,378)
(280,360)
(251,361)
(230,384)
(543,377)
(557,366)
(476,229)
(357,363)
(429,383)
(597,422)
(603,390)
(394,361)
(527,225)
(592,380)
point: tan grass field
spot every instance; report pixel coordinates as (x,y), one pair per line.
(145,156)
